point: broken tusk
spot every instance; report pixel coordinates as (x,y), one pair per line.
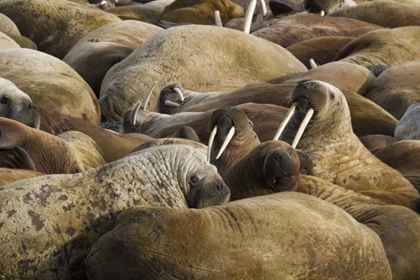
(179,91)
(211,139)
(171,104)
(264,7)
(322,13)
(313,63)
(302,127)
(147,96)
(249,15)
(103,4)
(133,117)
(226,142)
(217,18)
(284,122)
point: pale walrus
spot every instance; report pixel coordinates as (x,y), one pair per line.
(17,105)
(408,127)
(337,153)
(48,223)
(285,235)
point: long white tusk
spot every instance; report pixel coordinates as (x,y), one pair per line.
(313,63)
(177,89)
(249,15)
(217,18)
(322,13)
(171,104)
(284,122)
(302,127)
(211,139)
(226,142)
(264,7)
(133,117)
(147,96)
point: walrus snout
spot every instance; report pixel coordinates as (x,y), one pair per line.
(170,97)
(281,170)
(210,192)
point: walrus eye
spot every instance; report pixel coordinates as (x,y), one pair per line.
(5,100)
(250,124)
(332,96)
(289,150)
(194,179)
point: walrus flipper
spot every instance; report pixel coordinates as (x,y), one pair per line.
(18,158)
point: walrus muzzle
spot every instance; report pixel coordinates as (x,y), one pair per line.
(210,193)
(281,172)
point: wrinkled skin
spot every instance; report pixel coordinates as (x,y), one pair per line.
(281,231)
(270,167)
(17,105)
(408,126)
(61,216)
(337,153)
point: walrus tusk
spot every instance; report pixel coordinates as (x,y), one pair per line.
(322,13)
(133,117)
(284,122)
(147,96)
(226,142)
(302,127)
(212,135)
(313,63)
(249,15)
(171,104)
(179,91)
(264,8)
(217,18)
(103,4)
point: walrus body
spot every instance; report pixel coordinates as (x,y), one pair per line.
(287,235)
(337,153)
(48,223)
(408,127)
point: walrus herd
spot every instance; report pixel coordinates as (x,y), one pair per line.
(209,139)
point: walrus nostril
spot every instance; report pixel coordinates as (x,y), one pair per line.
(30,105)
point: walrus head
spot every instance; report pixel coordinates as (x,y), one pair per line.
(206,188)
(17,105)
(170,97)
(232,136)
(318,108)
(322,7)
(132,119)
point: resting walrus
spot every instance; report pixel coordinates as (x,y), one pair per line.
(48,223)
(337,153)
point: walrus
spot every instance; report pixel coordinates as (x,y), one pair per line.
(17,105)
(67,22)
(326,7)
(159,58)
(408,126)
(383,47)
(374,142)
(366,116)
(6,42)
(46,153)
(337,153)
(288,235)
(396,88)
(8,175)
(49,82)
(48,223)
(292,29)
(373,11)
(270,167)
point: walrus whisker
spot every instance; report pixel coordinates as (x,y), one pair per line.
(147,96)
(284,122)
(210,144)
(179,91)
(248,16)
(302,127)
(264,8)
(226,142)
(217,18)
(171,103)
(313,63)
(133,116)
